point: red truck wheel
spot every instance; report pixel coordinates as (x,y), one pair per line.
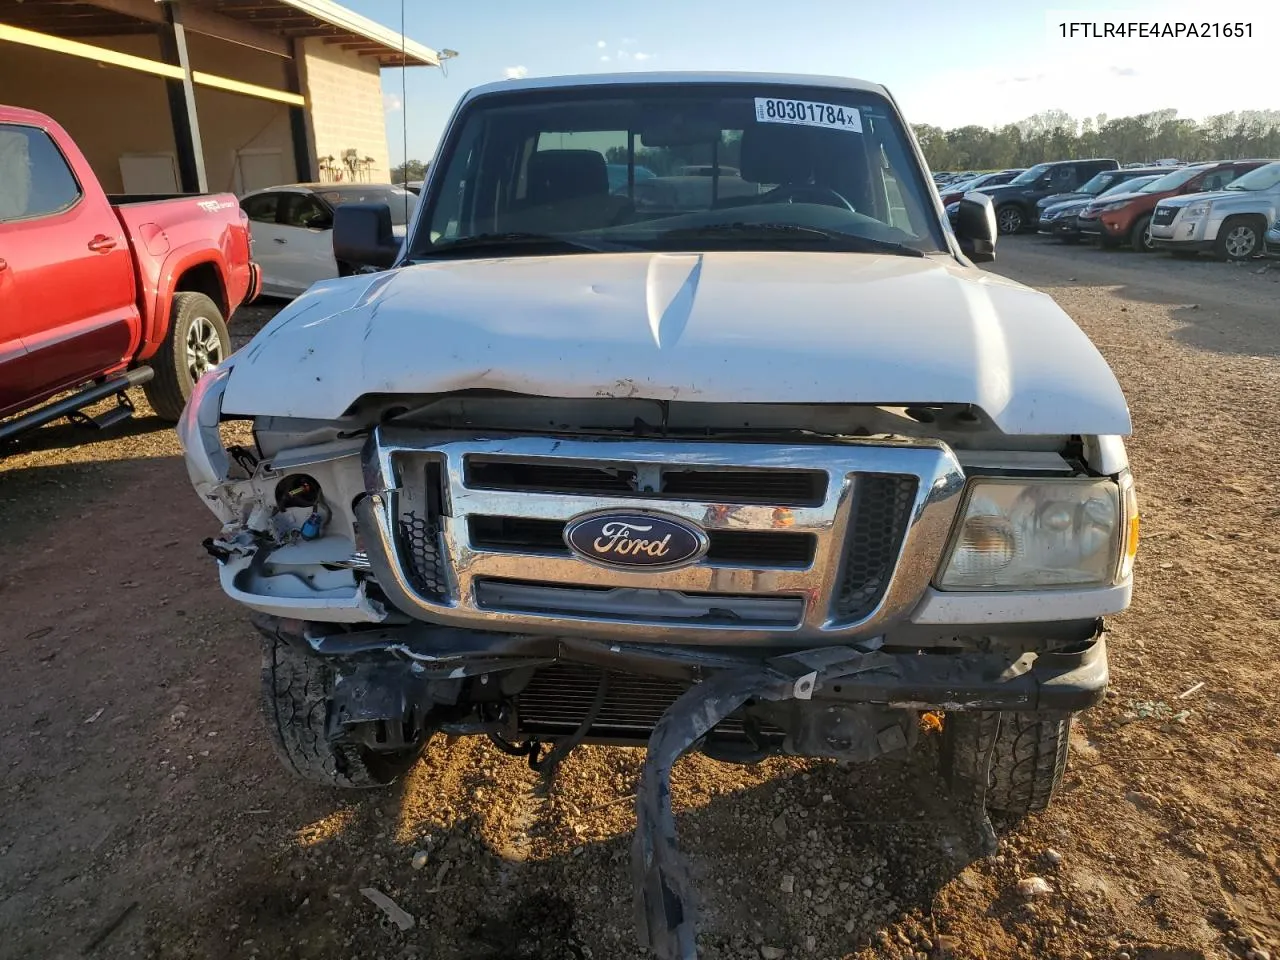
(198,342)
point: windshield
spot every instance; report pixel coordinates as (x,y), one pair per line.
(1032,175)
(800,166)
(1134,185)
(402,202)
(1105,181)
(1263,178)
(1171,181)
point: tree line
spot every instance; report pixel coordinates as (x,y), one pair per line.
(1145,138)
(409,170)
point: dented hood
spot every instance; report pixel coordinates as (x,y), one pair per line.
(770,327)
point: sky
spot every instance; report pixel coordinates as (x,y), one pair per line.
(947,63)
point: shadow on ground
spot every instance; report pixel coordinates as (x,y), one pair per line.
(1226,308)
(883,844)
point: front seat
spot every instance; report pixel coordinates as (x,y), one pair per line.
(777,153)
(567,191)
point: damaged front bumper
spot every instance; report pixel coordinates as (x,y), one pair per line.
(852,702)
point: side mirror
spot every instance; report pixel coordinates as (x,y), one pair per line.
(976,227)
(362,235)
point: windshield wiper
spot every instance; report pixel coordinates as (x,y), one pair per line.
(522,242)
(764,231)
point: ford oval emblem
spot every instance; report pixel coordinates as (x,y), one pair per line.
(643,541)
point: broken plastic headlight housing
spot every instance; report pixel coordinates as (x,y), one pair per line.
(207,459)
(1036,534)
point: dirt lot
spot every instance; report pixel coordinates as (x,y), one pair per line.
(144,815)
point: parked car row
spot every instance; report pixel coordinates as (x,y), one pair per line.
(952,192)
(944,177)
(1061,218)
(1226,208)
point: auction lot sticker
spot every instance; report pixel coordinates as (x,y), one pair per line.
(808,113)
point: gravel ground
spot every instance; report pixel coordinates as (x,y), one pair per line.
(144,814)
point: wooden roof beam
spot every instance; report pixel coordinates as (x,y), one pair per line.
(205,22)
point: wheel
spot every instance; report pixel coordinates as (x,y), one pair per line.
(1009,219)
(296,690)
(1140,235)
(197,342)
(1027,763)
(1239,238)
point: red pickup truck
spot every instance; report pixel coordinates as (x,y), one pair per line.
(101,293)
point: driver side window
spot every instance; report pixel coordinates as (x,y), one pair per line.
(1218,179)
(305,211)
(1062,178)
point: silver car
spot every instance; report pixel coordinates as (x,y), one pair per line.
(1231,222)
(1272,245)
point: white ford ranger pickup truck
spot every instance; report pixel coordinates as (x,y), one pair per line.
(742,454)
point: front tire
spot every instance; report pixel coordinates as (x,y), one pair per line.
(296,691)
(1028,761)
(198,341)
(1140,236)
(1239,238)
(1010,219)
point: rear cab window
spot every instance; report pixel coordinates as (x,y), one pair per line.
(35,178)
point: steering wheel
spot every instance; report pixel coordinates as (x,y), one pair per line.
(824,195)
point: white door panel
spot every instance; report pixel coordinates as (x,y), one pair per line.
(271,251)
(305,225)
(309,255)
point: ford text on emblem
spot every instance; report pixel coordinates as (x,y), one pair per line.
(645,541)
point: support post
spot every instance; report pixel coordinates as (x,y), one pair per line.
(303,165)
(182,102)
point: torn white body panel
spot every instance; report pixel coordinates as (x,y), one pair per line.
(337,598)
(774,327)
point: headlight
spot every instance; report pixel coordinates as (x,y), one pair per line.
(1032,534)
(1108,207)
(207,460)
(1051,215)
(1197,210)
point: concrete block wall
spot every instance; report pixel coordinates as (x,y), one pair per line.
(344,105)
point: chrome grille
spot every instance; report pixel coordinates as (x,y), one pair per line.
(657,607)
(777,487)
(546,537)
(839,566)
(1164,216)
